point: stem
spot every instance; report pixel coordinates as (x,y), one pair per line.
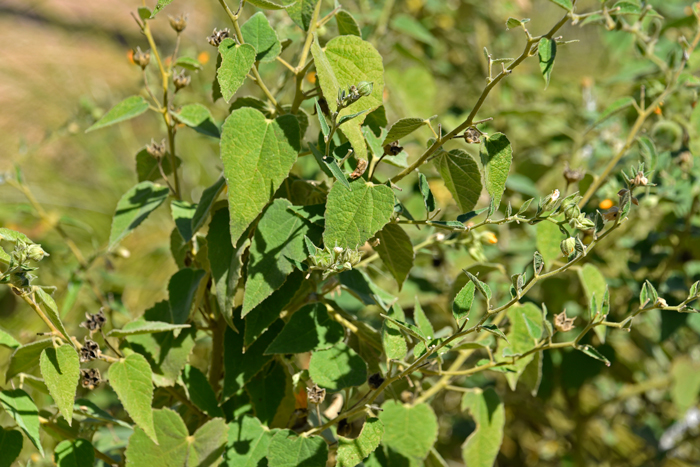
(528,52)
(217,352)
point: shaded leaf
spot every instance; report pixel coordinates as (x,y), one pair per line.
(10,446)
(26,357)
(337,368)
(396,251)
(22,409)
(258,33)
(409,430)
(287,449)
(462,304)
(144,327)
(248,441)
(182,288)
(200,391)
(352,451)
(547,51)
(199,118)
(310,328)
(496,156)
(462,177)
(125,110)
(74,453)
(402,128)
(51,311)
(133,208)
(347,26)
(428,199)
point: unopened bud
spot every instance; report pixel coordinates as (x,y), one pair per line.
(640,179)
(365,88)
(142,59)
(36,253)
(572,211)
(550,201)
(568,246)
(178,24)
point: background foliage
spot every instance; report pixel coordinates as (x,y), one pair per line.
(69,63)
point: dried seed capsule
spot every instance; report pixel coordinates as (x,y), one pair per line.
(344,428)
(156,150)
(562,323)
(94,322)
(375,381)
(142,59)
(360,169)
(393,149)
(316,394)
(472,135)
(90,378)
(181,80)
(178,24)
(218,36)
(573,175)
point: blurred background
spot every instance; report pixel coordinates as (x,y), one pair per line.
(66,62)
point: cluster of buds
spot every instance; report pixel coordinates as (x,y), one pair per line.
(353,94)
(562,323)
(89,351)
(19,271)
(576,218)
(316,394)
(28,251)
(181,80)
(94,322)
(156,150)
(638,177)
(572,247)
(472,135)
(90,378)
(332,260)
(218,36)
(393,149)
(551,202)
(178,24)
(141,59)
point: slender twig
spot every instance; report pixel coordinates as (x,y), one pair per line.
(66,434)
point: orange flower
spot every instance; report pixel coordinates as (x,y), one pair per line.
(203,58)
(311,77)
(605,204)
(130,56)
(300,399)
(491,238)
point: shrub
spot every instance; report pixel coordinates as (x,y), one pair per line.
(353,291)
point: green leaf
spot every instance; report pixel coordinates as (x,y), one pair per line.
(393,341)
(352,451)
(565,4)
(188,63)
(496,156)
(267,390)
(422,321)
(200,391)
(617,106)
(409,430)
(175,447)
(130,378)
(127,109)
(13,236)
(90,409)
(462,177)
(462,304)
(199,118)
(140,326)
(262,316)
(402,128)
(236,62)
(396,251)
(547,51)
(411,27)
(10,445)
(268,5)
(182,212)
(258,33)
(359,284)
(7,340)
(493,329)
(74,453)
(287,449)
(347,26)
(648,294)
(593,283)
(225,261)
(206,201)
(346,61)
(593,353)
(522,319)
(352,217)
(182,288)
(133,208)
(257,154)
(330,166)
(60,368)
(301,12)
(685,388)
(482,287)
(277,244)
(21,407)
(548,239)
(147,166)
(26,357)
(513,23)
(308,329)
(428,198)
(159,6)
(325,129)
(481,447)
(51,311)
(166,352)
(240,367)
(337,368)
(248,442)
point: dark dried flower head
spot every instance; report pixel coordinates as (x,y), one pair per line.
(562,323)
(89,351)
(94,322)
(178,24)
(181,80)
(360,169)
(472,135)
(375,381)
(90,378)
(316,394)
(611,214)
(393,149)
(218,36)
(142,59)
(573,175)
(344,428)
(156,150)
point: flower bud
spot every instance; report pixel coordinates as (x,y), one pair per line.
(142,59)
(572,211)
(568,246)
(640,179)
(36,253)
(550,201)
(181,80)
(178,24)
(365,88)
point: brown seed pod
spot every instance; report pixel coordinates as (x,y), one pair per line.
(360,169)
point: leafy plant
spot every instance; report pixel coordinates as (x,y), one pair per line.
(276,342)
